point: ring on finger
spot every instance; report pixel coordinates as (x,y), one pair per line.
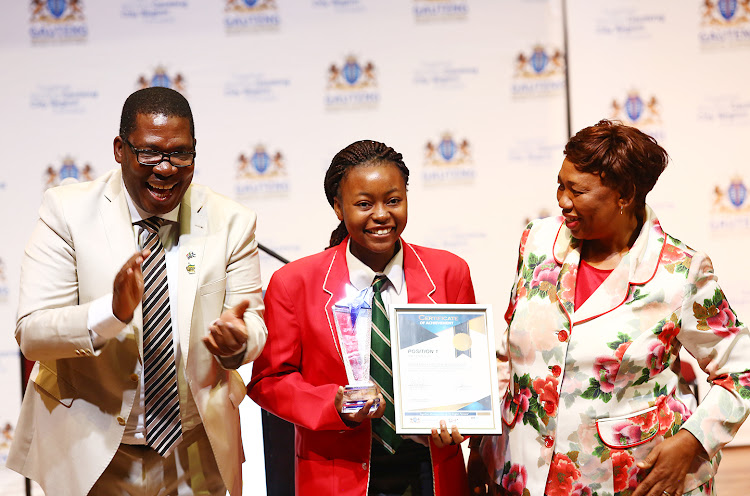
(665,493)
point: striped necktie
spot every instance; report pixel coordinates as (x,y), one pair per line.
(384,428)
(163,426)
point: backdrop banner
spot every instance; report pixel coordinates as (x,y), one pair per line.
(471,92)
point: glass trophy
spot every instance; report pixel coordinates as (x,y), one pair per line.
(353,317)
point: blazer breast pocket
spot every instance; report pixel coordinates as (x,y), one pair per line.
(211,297)
(213,287)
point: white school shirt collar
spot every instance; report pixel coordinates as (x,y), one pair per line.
(361,276)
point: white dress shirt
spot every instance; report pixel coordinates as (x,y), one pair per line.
(361,276)
(103,324)
(394,292)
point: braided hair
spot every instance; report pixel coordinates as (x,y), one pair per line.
(365,152)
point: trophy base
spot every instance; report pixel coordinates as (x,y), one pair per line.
(355,398)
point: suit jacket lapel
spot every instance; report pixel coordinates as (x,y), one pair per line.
(191,247)
(334,287)
(567,254)
(118,228)
(637,267)
(419,284)
(609,295)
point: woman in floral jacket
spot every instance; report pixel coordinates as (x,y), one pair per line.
(603,302)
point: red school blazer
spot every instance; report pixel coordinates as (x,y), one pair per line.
(301,367)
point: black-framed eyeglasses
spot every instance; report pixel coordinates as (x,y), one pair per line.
(150,158)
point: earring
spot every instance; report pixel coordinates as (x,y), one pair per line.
(620,210)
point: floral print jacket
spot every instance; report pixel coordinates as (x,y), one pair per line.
(592,391)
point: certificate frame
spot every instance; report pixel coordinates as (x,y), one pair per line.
(435,367)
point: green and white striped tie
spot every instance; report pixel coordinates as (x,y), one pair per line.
(383,429)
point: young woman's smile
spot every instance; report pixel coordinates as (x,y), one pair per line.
(372,204)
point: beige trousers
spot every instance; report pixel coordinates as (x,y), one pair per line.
(140,471)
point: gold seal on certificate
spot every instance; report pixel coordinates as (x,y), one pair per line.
(353,317)
(444,368)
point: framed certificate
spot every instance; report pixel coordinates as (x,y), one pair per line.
(444,368)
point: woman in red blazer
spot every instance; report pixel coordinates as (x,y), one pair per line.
(299,375)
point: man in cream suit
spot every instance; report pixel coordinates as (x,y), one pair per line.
(87,424)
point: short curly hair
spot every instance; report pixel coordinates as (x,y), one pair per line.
(625,158)
(154,100)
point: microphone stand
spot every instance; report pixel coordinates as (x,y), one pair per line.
(275,255)
(278,438)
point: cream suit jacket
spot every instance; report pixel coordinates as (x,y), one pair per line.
(78,399)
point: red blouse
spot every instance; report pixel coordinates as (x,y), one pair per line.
(589,278)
